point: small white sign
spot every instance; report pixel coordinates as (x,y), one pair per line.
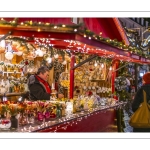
(69,108)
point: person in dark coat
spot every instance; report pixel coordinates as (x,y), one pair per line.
(39,88)
(138,99)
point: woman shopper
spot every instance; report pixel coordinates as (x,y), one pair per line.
(138,99)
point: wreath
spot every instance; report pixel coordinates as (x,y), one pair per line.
(120,83)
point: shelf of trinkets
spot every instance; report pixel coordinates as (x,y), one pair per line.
(87,80)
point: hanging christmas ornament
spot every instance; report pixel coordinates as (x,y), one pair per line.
(9,55)
(56,56)
(40,53)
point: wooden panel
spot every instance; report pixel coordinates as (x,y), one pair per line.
(93,123)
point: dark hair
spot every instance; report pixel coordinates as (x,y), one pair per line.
(42,70)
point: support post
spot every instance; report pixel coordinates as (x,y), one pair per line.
(72,75)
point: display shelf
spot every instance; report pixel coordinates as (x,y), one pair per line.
(13,94)
(5,72)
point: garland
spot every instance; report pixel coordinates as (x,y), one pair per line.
(85,32)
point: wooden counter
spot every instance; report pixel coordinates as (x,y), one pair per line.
(96,121)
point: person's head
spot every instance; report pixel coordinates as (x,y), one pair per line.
(146,78)
(43,72)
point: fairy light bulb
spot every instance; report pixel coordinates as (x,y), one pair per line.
(102,65)
(4,98)
(95,64)
(110,68)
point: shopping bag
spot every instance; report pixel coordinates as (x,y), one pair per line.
(141,117)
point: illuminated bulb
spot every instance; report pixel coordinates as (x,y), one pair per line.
(13,22)
(2,19)
(39,29)
(100,33)
(110,68)
(75,64)
(75,30)
(95,64)
(63,25)
(4,98)
(39,22)
(55,27)
(89,38)
(102,65)
(20,99)
(84,35)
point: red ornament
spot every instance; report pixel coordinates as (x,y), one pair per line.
(26,63)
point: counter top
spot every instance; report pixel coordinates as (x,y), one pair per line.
(56,123)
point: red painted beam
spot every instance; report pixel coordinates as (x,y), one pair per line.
(101,45)
(72,76)
(42,34)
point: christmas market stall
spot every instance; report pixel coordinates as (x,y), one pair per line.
(85,58)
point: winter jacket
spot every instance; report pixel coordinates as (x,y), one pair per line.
(138,100)
(37,90)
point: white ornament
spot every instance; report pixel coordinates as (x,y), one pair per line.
(9,55)
(56,56)
(2,43)
(39,53)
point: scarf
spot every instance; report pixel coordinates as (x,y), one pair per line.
(45,84)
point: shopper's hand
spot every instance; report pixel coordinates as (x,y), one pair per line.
(60,96)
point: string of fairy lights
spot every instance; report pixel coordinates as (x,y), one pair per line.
(40,26)
(65,122)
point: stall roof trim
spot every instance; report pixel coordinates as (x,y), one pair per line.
(68,39)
